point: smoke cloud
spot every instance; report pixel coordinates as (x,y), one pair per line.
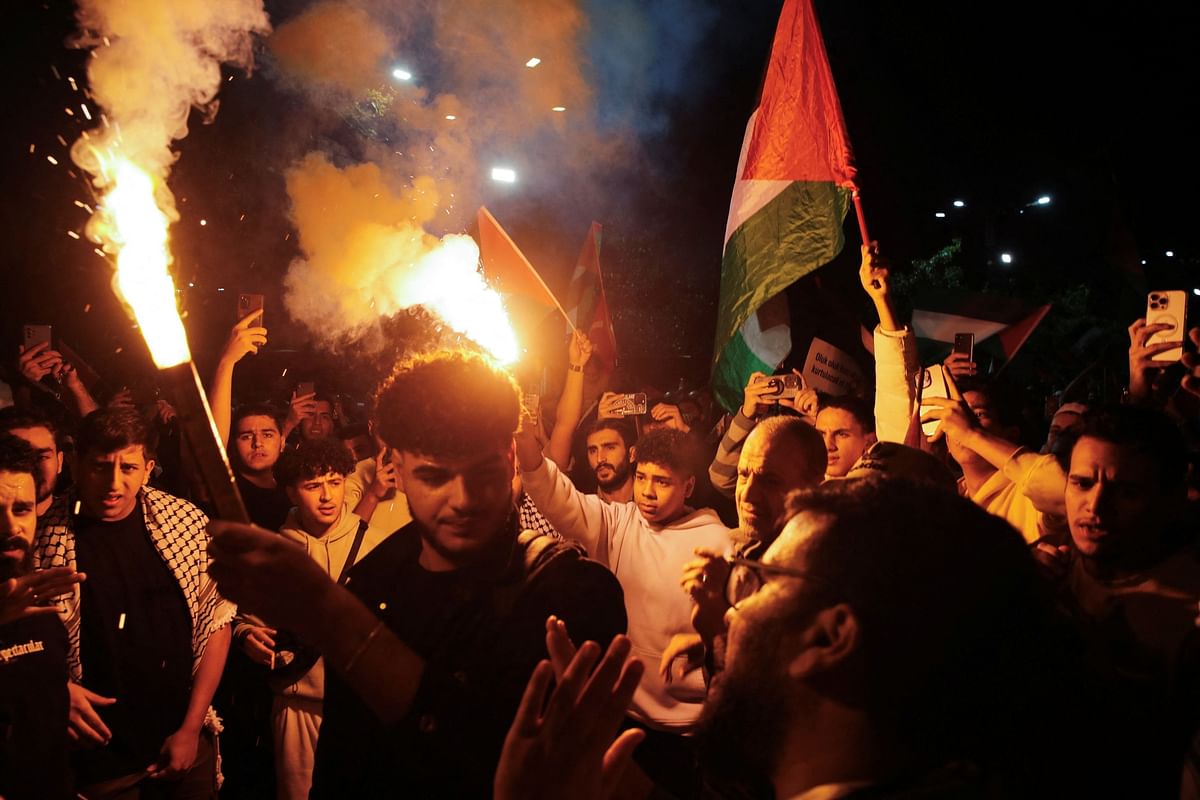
(152,63)
(438,92)
(367,255)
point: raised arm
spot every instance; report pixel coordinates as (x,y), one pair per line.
(570,404)
(896,364)
(584,518)
(243,339)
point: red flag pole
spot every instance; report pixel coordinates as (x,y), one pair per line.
(862,221)
(862,218)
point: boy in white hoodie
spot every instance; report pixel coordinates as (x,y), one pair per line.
(314,474)
(646,544)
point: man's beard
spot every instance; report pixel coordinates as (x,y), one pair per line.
(14,568)
(620,475)
(745,718)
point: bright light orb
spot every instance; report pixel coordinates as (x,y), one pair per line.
(940,214)
(401,74)
(959,204)
(1044,200)
(533,62)
(504,175)
(1006,258)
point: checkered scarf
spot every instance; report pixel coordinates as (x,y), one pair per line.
(178,530)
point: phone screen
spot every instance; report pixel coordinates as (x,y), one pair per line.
(36,334)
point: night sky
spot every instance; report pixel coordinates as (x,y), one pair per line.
(1092,104)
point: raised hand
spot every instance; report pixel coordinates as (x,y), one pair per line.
(960,365)
(1143,369)
(579,350)
(670,416)
(704,581)
(568,750)
(384,484)
(39,361)
(22,597)
(244,338)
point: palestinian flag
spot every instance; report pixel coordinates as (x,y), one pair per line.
(794,180)
(587,305)
(1001,324)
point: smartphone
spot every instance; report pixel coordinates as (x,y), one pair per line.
(1167,308)
(307,387)
(933,384)
(248,304)
(783,387)
(36,334)
(632,404)
(965,343)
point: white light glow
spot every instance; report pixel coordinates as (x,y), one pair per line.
(401,74)
(1170,254)
(940,214)
(959,204)
(1006,258)
(533,62)
(451,117)
(504,175)
(1044,200)
(1196,292)
(559,108)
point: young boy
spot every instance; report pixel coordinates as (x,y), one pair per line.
(314,476)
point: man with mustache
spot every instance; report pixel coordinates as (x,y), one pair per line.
(41,432)
(608,453)
(33,643)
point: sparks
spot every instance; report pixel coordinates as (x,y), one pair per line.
(559,109)
(73,234)
(86,113)
(52,160)
(533,62)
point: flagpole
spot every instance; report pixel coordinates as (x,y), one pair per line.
(862,221)
(862,217)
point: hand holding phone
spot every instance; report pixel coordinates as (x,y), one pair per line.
(248,304)
(1167,309)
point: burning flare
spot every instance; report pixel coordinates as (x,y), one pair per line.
(447,280)
(130,224)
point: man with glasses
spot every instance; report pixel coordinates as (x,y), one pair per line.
(865,650)
(868,657)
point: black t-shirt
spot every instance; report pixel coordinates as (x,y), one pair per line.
(267,508)
(481,636)
(33,709)
(135,643)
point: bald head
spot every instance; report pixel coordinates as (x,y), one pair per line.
(780,455)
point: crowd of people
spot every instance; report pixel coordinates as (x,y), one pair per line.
(873,595)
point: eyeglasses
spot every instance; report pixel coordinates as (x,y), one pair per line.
(746,577)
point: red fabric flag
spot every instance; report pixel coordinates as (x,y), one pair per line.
(799,89)
(505,266)
(587,305)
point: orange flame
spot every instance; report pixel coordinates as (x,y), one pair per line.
(131,225)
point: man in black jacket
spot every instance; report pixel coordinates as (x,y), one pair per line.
(442,624)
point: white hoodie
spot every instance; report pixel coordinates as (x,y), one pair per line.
(648,561)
